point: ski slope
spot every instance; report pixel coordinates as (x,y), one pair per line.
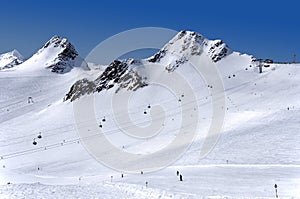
(258,147)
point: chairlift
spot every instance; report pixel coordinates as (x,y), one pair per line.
(145,112)
(30,100)
(34,142)
(149,106)
(100,125)
(103,120)
(40,135)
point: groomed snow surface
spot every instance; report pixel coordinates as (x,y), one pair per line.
(211,181)
(258,148)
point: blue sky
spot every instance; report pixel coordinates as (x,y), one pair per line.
(263,29)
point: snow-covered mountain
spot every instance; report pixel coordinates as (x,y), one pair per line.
(58,55)
(125,73)
(258,147)
(63,55)
(186,44)
(10,59)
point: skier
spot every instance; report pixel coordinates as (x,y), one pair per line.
(276,192)
(180,178)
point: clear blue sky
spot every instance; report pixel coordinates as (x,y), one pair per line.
(263,29)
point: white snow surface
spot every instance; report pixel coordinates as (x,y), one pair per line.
(259,145)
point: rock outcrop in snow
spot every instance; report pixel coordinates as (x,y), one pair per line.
(121,74)
(10,59)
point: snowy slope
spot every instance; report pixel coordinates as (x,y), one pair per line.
(10,59)
(259,145)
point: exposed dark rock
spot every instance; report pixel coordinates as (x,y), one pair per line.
(80,88)
(157,57)
(112,73)
(116,74)
(171,67)
(218,51)
(132,81)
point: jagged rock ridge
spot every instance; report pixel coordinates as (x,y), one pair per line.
(118,73)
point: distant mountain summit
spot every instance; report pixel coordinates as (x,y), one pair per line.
(58,55)
(65,58)
(10,59)
(62,55)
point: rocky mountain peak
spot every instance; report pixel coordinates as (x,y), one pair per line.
(10,59)
(187,43)
(66,56)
